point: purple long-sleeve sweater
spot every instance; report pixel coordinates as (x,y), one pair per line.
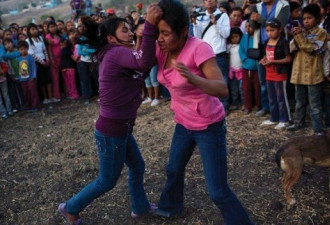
(120,80)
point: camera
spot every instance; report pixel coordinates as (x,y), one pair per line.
(295,23)
(197,12)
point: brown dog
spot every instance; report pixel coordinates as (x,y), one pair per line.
(297,151)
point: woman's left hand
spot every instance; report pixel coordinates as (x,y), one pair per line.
(154,14)
(182,69)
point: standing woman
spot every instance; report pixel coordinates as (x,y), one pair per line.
(187,67)
(120,79)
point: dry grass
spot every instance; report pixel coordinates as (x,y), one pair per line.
(48,156)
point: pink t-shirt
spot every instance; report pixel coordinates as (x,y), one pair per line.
(193,108)
(55,47)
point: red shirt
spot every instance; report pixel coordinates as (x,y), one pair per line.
(271,70)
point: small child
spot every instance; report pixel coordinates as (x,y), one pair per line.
(68,69)
(251,85)
(14,86)
(235,68)
(275,61)
(307,71)
(27,76)
(5,107)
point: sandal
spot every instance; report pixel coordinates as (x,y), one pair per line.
(61,210)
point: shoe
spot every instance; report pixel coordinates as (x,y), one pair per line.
(246,111)
(33,110)
(55,100)
(15,110)
(86,102)
(261,113)
(155,102)
(320,133)
(166,214)
(147,100)
(267,123)
(46,101)
(233,107)
(294,127)
(61,210)
(4,116)
(153,208)
(10,113)
(281,125)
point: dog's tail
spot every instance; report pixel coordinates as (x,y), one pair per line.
(278,155)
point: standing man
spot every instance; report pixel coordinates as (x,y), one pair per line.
(214,28)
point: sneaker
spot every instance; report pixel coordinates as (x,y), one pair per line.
(261,113)
(4,116)
(267,123)
(15,110)
(147,100)
(46,101)
(166,214)
(33,110)
(233,107)
(10,113)
(294,127)
(153,208)
(320,133)
(61,210)
(155,102)
(281,125)
(55,100)
(86,102)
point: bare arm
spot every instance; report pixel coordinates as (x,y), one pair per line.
(213,84)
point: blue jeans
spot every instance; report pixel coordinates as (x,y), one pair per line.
(212,146)
(113,153)
(224,67)
(236,91)
(151,80)
(312,95)
(263,87)
(5,107)
(85,80)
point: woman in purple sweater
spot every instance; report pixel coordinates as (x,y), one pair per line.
(120,79)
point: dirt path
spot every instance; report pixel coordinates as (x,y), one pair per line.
(48,156)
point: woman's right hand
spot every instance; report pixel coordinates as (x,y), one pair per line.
(154,14)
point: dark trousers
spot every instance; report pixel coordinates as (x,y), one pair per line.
(31,94)
(251,89)
(15,93)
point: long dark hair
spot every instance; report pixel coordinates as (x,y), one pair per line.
(29,26)
(52,23)
(96,34)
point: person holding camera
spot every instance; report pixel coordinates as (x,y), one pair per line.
(214,28)
(260,13)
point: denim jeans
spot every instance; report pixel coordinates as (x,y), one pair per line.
(224,67)
(236,91)
(85,80)
(312,95)
(5,107)
(151,80)
(113,153)
(211,143)
(263,87)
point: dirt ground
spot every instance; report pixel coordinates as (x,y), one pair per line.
(48,156)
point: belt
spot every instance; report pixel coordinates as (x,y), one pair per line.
(221,54)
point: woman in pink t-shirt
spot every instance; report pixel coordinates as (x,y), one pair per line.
(53,39)
(188,68)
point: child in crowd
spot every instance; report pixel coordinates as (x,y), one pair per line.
(235,68)
(235,16)
(307,70)
(54,49)
(68,66)
(295,18)
(14,86)
(5,105)
(275,61)
(28,76)
(251,86)
(38,50)
(69,26)
(21,37)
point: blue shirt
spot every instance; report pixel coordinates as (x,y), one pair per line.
(27,68)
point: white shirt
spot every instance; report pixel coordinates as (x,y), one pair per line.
(217,34)
(37,49)
(234,59)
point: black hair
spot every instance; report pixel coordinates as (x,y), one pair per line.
(294,5)
(8,40)
(21,44)
(314,10)
(175,15)
(29,26)
(68,42)
(237,9)
(324,4)
(51,18)
(235,30)
(61,21)
(135,26)
(226,6)
(7,30)
(52,23)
